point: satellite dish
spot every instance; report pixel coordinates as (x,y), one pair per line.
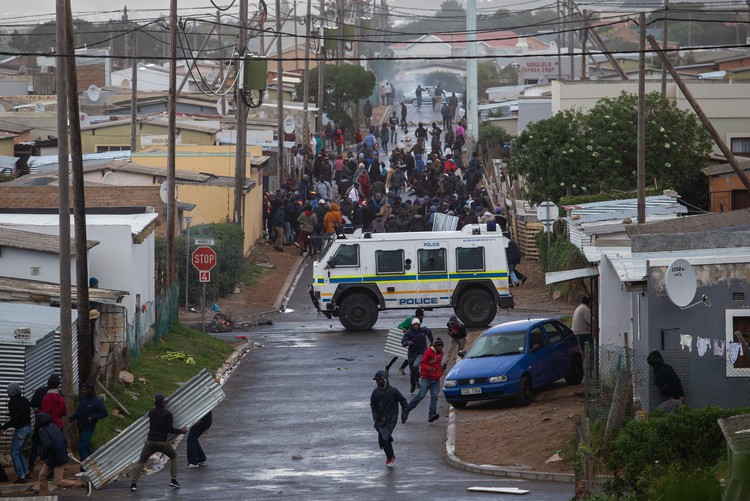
(222,102)
(680,282)
(39,107)
(288,125)
(111,179)
(163,192)
(93,93)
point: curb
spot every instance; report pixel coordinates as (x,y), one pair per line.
(458,463)
(289,285)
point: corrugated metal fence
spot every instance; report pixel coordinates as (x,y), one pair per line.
(188,404)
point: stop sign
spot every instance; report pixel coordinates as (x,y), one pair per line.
(204,258)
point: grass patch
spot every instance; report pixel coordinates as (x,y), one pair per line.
(162,376)
(251,273)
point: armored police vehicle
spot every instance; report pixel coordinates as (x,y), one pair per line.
(358,275)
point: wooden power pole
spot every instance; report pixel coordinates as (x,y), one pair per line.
(240,110)
(172,147)
(641,140)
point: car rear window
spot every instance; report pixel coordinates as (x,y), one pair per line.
(555,331)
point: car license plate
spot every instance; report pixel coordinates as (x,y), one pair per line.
(470,391)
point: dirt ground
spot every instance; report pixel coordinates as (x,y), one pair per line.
(492,433)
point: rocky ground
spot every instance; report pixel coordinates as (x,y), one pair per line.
(492,433)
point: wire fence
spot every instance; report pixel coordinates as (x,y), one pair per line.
(621,384)
(158,315)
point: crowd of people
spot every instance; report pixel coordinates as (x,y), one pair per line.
(369,186)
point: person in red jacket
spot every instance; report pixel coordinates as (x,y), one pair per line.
(53,403)
(430,372)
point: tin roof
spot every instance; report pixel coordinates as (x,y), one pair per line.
(40,319)
(139,223)
(21,289)
(41,242)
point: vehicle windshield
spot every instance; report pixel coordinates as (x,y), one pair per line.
(497,345)
(324,250)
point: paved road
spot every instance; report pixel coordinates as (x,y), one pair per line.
(304,394)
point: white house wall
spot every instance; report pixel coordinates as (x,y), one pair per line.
(616,311)
(144,279)
(23,263)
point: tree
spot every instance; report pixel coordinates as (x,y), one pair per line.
(488,75)
(575,153)
(344,85)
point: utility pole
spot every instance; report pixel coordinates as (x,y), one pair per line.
(584,39)
(172,146)
(279,98)
(570,41)
(641,148)
(133,93)
(559,44)
(222,99)
(472,115)
(63,194)
(240,108)
(665,44)
(85,341)
(306,81)
(321,70)
(341,50)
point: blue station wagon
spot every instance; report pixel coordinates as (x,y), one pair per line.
(511,359)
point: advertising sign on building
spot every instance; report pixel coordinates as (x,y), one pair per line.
(158,140)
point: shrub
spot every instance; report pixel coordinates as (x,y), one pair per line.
(229,260)
(565,256)
(651,454)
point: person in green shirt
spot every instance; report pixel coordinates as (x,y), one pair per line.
(404,326)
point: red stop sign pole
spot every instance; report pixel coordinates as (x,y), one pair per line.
(204,259)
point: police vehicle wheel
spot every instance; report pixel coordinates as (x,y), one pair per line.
(358,312)
(476,308)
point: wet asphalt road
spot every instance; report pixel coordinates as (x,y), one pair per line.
(296,424)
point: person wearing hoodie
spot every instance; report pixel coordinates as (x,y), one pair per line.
(160,425)
(384,403)
(90,410)
(53,402)
(332,220)
(55,457)
(307,221)
(415,340)
(665,378)
(19,412)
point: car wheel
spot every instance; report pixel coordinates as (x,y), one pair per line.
(457,404)
(414,102)
(526,392)
(576,371)
(476,308)
(358,312)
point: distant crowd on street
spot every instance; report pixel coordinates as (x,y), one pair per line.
(367,185)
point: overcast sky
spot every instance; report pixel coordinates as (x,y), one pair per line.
(34,11)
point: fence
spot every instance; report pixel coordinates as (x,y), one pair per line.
(159,314)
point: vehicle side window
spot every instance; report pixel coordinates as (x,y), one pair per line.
(470,259)
(431,260)
(389,262)
(536,337)
(555,332)
(347,256)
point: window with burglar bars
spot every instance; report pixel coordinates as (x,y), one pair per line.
(389,262)
(347,256)
(470,259)
(431,260)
